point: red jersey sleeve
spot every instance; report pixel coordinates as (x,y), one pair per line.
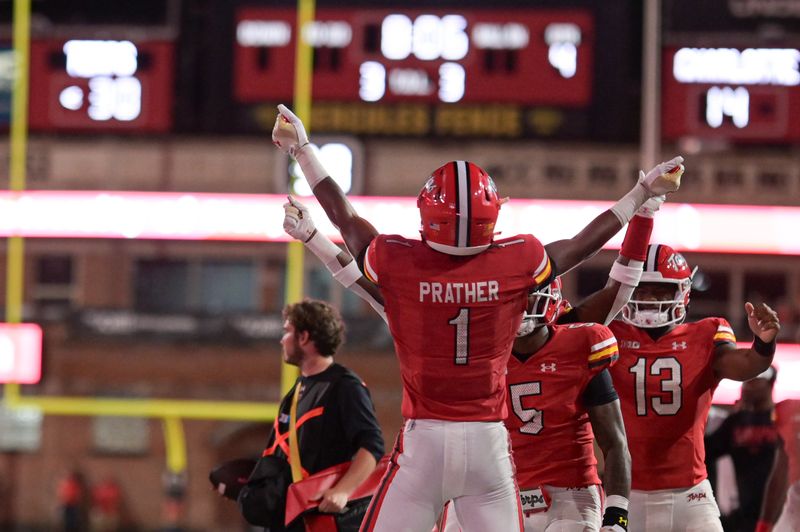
(603,351)
(543,273)
(371,261)
(724,333)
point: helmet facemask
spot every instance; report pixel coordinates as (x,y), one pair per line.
(662,312)
(662,296)
(543,308)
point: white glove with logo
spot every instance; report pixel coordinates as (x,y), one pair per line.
(661,180)
(289,135)
(651,206)
(296,220)
(664,178)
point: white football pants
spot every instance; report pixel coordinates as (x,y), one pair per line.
(682,510)
(435,461)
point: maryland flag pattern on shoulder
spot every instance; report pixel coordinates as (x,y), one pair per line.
(603,353)
(724,334)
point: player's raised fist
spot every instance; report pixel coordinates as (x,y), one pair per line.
(288,134)
(297,221)
(664,178)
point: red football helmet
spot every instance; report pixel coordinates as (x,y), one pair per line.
(663,265)
(544,307)
(459,206)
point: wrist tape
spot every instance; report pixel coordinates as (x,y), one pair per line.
(629,274)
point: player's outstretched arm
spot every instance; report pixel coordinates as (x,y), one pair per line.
(609,430)
(290,136)
(604,305)
(744,364)
(298,224)
(663,179)
(774,492)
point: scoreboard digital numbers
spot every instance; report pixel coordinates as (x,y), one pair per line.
(101,85)
(524,57)
(738,94)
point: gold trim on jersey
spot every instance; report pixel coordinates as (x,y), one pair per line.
(544,270)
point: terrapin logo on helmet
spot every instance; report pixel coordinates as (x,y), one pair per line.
(459,207)
(544,307)
(664,265)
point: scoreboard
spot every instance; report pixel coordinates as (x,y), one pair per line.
(520,56)
(94,85)
(745,94)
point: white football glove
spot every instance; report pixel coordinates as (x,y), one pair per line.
(651,206)
(613,528)
(289,133)
(297,221)
(664,178)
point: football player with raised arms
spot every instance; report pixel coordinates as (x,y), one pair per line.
(454,301)
(550,435)
(666,376)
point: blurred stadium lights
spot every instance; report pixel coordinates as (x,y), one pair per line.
(787,360)
(254,218)
(20,353)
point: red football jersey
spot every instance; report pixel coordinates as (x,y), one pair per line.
(550,430)
(788,419)
(453,320)
(665,389)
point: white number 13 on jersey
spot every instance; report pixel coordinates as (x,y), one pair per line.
(670,385)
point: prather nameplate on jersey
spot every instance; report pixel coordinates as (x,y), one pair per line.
(533,500)
(459,293)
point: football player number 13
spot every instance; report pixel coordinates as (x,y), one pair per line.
(667,402)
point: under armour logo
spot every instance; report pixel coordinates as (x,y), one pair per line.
(679,345)
(548,367)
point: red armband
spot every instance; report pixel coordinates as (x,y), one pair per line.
(763,526)
(634,246)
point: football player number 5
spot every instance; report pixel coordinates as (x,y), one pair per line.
(670,370)
(532,418)
(461,323)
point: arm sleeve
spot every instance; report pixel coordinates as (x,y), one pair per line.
(359,422)
(599,391)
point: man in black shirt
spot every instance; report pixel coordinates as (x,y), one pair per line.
(749,435)
(336,420)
